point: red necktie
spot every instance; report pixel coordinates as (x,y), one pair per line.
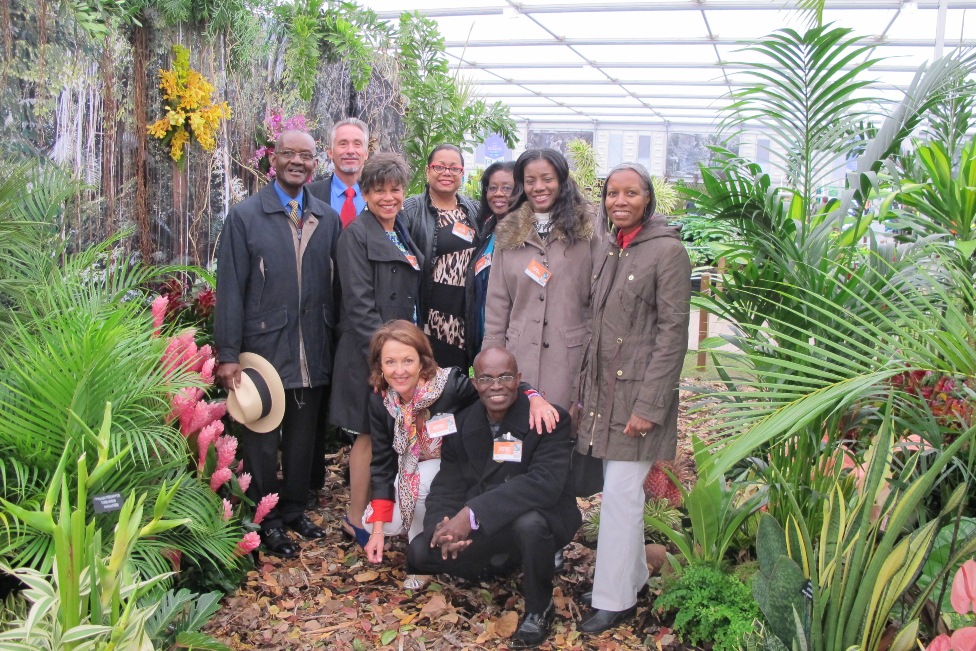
(348,208)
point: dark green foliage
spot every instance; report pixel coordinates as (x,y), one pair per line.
(778,584)
(712,606)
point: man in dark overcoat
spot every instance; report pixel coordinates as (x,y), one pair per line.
(501,492)
(276,298)
(348,150)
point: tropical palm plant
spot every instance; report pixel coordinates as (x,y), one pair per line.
(82,338)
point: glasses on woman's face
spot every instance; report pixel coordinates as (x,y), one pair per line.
(504,189)
(487,380)
(440,169)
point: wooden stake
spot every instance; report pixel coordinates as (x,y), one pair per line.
(703,321)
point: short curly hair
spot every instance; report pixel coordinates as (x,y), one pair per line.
(407,334)
(383,169)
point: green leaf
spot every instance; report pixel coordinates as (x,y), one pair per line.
(388,636)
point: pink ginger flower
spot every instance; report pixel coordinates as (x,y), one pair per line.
(941,643)
(193,393)
(244,481)
(218,409)
(240,467)
(179,351)
(248,543)
(963,595)
(192,420)
(207,371)
(199,358)
(219,478)
(159,307)
(226,450)
(267,503)
(207,435)
(228,510)
(179,403)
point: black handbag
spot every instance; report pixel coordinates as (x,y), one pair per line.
(585,474)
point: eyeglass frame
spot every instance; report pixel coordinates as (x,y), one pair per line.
(440,169)
(488,380)
(289,154)
(507,189)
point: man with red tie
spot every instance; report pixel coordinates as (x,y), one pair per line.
(347,149)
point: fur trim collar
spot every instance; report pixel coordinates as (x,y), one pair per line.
(516,229)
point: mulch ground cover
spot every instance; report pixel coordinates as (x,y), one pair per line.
(331,597)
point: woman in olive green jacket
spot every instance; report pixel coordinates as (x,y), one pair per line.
(629,385)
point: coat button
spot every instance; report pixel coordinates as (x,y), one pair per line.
(630,277)
(545,344)
(620,373)
(394,269)
(542,297)
(620,340)
(591,413)
(393,296)
(545,322)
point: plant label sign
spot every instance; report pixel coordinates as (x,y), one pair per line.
(807,589)
(107,503)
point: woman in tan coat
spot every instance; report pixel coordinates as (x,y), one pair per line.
(629,385)
(538,303)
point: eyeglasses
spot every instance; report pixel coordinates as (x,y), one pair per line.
(506,189)
(487,380)
(288,154)
(440,169)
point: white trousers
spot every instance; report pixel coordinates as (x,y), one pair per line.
(428,470)
(621,563)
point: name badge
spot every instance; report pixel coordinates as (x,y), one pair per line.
(483,261)
(441,425)
(538,272)
(412,259)
(507,451)
(463,231)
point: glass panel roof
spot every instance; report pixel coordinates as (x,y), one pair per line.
(657,62)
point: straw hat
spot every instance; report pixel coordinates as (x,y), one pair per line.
(259,402)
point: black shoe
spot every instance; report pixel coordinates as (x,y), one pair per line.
(587,597)
(601,620)
(306,528)
(277,542)
(534,629)
(559,561)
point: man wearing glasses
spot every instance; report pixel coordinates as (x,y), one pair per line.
(275,298)
(500,499)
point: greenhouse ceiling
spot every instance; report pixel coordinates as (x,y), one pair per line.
(659,62)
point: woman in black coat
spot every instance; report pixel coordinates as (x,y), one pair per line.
(379,271)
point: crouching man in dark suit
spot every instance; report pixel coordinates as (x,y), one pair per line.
(501,493)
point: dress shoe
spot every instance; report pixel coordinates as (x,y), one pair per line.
(276,541)
(587,597)
(534,629)
(305,528)
(601,620)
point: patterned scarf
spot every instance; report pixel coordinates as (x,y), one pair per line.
(410,440)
